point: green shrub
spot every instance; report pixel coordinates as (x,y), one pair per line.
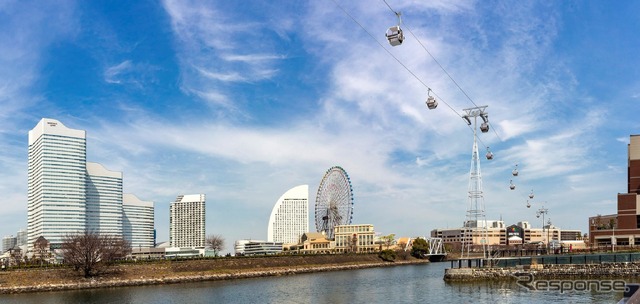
(387,255)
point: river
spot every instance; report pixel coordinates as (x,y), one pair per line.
(400,284)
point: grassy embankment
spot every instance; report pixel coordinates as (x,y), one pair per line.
(169,271)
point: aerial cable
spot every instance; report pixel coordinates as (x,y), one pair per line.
(438,63)
(404,66)
(407,68)
(394,57)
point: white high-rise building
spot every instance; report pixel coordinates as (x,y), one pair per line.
(187,221)
(290,216)
(104,200)
(21,237)
(67,195)
(56,182)
(138,221)
(8,242)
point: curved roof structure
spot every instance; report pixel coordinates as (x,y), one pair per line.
(290,216)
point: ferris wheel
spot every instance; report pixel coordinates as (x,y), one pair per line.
(334,201)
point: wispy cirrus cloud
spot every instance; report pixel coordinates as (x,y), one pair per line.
(112,74)
(29,28)
(129,73)
(215,48)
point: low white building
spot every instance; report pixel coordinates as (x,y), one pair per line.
(355,238)
(256,247)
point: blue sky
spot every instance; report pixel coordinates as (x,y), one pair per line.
(243,100)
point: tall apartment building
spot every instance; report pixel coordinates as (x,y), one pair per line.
(65,193)
(187,221)
(289,218)
(138,221)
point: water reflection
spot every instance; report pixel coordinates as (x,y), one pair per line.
(402,284)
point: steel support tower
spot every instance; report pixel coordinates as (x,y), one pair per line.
(475,225)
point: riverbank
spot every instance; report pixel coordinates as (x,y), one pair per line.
(171,272)
(563,271)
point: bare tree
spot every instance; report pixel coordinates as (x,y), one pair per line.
(215,242)
(92,253)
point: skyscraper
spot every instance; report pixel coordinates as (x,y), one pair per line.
(56,182)
(187,221)
(8,242)
(67,195)
(138,221)
(104,200)
(290,216)
(21,237)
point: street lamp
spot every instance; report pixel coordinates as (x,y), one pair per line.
(548,229)
(543,211)
(592,238)
(614,241)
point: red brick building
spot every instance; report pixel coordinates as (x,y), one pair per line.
(622,228)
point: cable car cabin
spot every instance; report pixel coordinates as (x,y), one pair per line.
(514,172)
(489,155)
(512,186)
(484,127)
(431,103)
(394,35)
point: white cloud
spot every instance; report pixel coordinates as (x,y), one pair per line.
(214,48)
(111,73)
(251,58)
(130,73)
(409,165)
(624,140)
(228,77)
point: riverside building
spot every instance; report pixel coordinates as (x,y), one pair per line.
(256,247)
(623,227)
(137,221)
(187,221)
(56,182)
(499,234)
(289,218)
(65,194)
(354,238)
(104,200)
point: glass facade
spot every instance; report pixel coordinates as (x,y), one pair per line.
(104,200)
(138,221)
(68,195)
(56,182)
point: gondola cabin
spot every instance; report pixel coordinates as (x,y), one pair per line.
(431,103)
(484,127)
(394,35)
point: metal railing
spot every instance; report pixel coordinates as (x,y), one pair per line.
(565,259)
